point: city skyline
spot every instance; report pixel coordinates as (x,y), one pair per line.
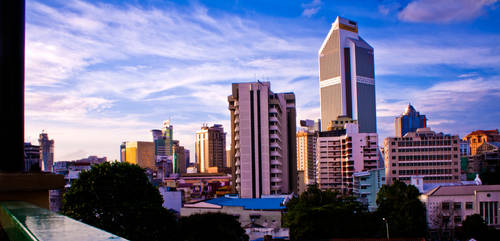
(102,73)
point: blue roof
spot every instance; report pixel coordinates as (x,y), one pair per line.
(250,203)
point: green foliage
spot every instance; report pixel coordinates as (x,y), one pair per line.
(118,198)
(491,177)
(212,226)
(405,213)
(317,214)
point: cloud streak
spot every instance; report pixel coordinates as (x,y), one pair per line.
(444,11)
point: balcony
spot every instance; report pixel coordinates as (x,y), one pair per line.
(275,162)
(237,154)
(236,120)
(276,171)
(275,136)
(274,128)
(275,153)
(273,110)
(273,119)
(275,179)
(275,145)
(25,221)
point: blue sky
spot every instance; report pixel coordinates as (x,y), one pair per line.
(102,72)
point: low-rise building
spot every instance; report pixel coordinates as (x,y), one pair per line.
(258,216)
(366,186)
(448,206)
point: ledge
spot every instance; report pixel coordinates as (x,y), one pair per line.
(30,181)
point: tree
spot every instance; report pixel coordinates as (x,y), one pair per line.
(404,212)
(212,226)
(317,214)
(118,198)
(474,227)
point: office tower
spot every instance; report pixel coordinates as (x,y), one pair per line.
(424,153)
(477,138)
(163,149)
(210,149)
(46,152)
(123,152)
(141,153)
(31,157)
(188,160)
(347,77)
(229,157)
(409,121)
(178,157)
(340,153)
(263,140)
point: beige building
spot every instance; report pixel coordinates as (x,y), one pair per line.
(341,153)
(434,156)
(306,155)
(210,144)
(263,126)
(448,206)
(141,153)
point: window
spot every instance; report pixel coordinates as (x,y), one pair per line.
(445,206)
(457,220)
(468,205)
(489,212)
(457,206)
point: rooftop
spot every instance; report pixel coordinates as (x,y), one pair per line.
(462,190)
(268,203)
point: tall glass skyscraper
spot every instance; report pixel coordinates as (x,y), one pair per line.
(409,121)
(347,77)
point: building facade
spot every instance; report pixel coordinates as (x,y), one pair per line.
(210,145)
(477,138)
(341,153)
(46,152)
(263,126)
(141,153)
(434,156)
(178,157)
(409,121)
(347,77)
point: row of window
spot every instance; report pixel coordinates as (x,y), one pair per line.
(424,171)
(424,157)
(418,164)
(426,143)
(425,149)
(456,205)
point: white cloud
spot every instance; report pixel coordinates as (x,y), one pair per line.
(443,11)
(311,8)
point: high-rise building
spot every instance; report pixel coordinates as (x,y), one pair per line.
(163,149)
(46,152)
(424,153)
(210,147)
(178,157)
(477,138)
(306,150)
(263,126)
(366,186)
(347,77)
(341,153)
(31,157)
(409,121)
(141,153)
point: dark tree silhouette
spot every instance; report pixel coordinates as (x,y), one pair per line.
(118,198)
(404,212)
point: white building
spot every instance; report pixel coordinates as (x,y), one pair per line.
(448,206)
